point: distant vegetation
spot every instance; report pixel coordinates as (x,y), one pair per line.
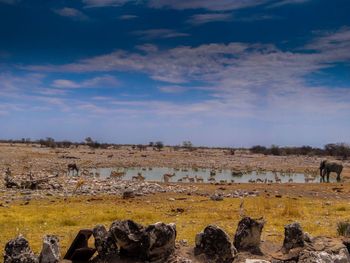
(340,150)
(332,149)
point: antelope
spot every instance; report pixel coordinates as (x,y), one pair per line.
(72,167)
(115,174)
(199,179)
(166,177)
(259,180)
(138,177)
(251,181)
(211,179)
(277,179)
(85,172)
(190,179)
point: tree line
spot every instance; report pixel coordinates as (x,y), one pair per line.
(332,149)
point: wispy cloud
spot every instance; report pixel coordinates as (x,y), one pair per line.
(219,5)
(199,19)
(10,2)
(105,81)
(71,13)
(247,80)
(256,17)
(127,17)
(104,3)
(159,33)
(287,2)
(173,89)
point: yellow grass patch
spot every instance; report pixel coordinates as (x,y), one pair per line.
(65,217)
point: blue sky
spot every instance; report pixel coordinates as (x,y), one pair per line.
(224,72)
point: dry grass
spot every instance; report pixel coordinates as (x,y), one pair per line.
(65,218)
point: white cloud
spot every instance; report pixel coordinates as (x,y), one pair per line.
(65,83)
(199,19)
(104,81)
(173,89)
(241,80)
(71,13)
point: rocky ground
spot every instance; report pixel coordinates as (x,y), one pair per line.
(41,163)
(129,242)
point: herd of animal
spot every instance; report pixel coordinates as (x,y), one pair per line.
(325,168)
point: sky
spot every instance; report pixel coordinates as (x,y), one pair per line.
(217,73)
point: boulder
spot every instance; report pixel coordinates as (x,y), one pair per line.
(159,242)
(248,234)
(324,250)
(217,197)
(215,244)
(104,243)
(50,252)
(293,237)
(128,194)
(17,250)
(324,257)
(129,236)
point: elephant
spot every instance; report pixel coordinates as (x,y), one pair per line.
(326,167)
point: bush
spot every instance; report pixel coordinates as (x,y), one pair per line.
(259,149)
(158,145)
(343,229)
(337,149)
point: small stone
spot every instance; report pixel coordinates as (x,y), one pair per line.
(256,261)
(128,194)
(217,197)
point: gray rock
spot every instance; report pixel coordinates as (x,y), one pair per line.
(17,250)
(215,244)
(104,243)
(159,241)
(129,236)
(217,197)
(324,257)
(248,234)
(50,252)
(154,243)
(293,237)
(128,194)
